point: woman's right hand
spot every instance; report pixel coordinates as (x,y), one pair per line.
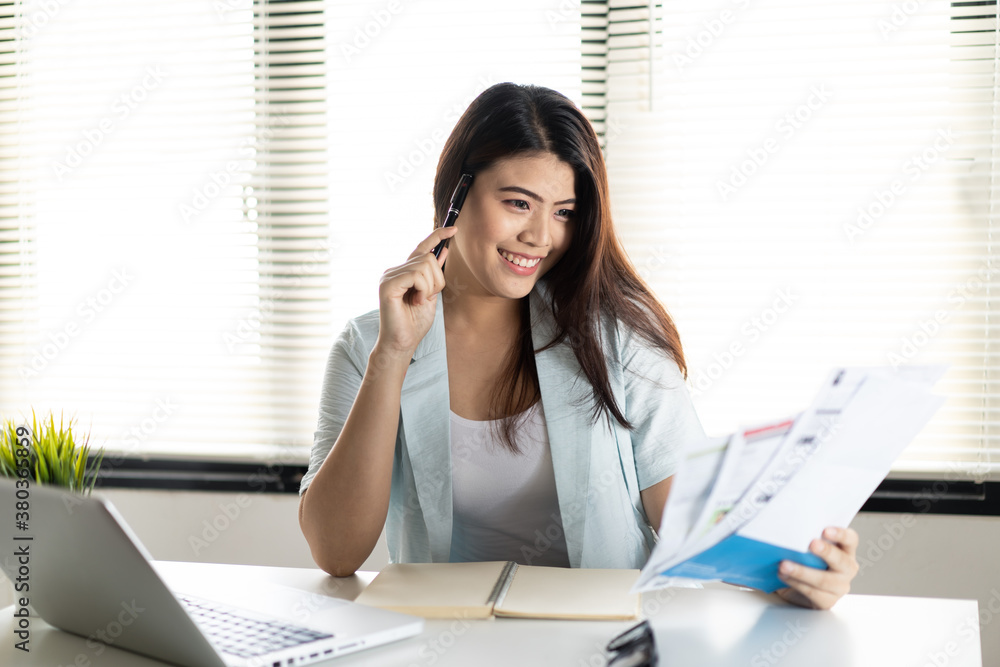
(408,296)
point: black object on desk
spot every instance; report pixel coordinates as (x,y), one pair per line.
(633,648)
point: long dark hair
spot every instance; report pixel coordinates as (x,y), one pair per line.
(594,277)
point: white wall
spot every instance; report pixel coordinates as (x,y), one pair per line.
(915,555)
(246,528)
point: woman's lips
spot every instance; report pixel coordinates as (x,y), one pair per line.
(520,264)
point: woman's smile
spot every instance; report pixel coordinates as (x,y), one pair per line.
(520,264)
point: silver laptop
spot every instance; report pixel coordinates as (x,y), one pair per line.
(88,574)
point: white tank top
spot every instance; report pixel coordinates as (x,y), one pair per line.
(504,504)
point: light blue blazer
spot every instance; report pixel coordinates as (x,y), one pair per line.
(599,469)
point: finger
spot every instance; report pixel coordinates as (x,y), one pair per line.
(436,269)
(418,294)
(429,267)
(793,596)
(846,538)
(429,243)
(439,281)
(397,280)
(403,279)
(427,261)
(809,595)
(432,277)
(810,579)
(442,257)
(837,559)
(419,263)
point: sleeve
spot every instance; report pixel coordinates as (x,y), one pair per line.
(660,408)
(345,369)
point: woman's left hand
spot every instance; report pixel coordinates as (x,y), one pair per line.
(820,589)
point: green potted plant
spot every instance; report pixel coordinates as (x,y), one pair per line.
(57,454)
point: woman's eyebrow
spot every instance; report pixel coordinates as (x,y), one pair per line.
(529,193)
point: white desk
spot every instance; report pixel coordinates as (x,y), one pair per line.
(715,626)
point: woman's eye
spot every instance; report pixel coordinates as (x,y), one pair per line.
(565,213)
(519,203)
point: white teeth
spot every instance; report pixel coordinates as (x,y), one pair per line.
(520,261)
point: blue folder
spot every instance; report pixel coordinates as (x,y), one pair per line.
(745,562)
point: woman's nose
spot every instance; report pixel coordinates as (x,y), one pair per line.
(537,232)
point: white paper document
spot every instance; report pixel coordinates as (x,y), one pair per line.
(741,504)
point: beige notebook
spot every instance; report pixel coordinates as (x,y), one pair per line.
(498,588)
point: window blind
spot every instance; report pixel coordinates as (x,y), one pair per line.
(233,179)
(812,184)
(594,63)
(165,221)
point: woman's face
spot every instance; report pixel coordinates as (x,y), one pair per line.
(516,224)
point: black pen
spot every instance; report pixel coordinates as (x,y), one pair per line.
(457,199)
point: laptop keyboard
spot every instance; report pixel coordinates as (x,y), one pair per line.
(241,634)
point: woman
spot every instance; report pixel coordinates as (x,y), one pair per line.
(522,396)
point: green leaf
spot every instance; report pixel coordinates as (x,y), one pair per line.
(57,455)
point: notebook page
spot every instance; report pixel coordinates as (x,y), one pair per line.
(570,593)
